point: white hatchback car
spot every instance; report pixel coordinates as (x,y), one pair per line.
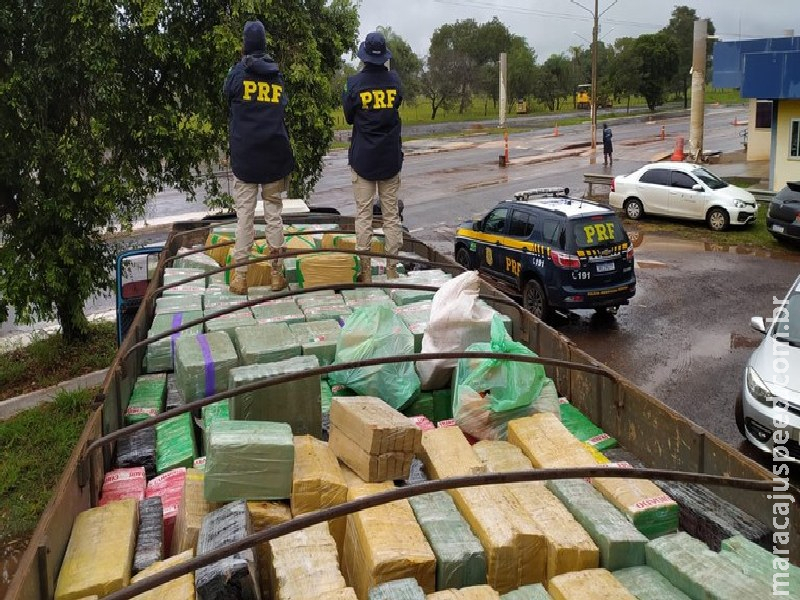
(682,190)
(768,407)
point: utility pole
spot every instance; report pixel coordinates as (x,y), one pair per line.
(594,78)
(698,89)
(502,94)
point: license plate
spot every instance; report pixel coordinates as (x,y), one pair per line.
(605,267)
(778,228)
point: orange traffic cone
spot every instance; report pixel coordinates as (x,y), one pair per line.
(555,131)
(678,154)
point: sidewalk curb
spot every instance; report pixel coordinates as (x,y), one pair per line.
(13,406)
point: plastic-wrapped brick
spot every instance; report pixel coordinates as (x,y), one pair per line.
(160,354)
(173,275)
(175,443)
(318,338)
(582,427)
(211,413)
(528,592)
(249,459)
(644,582)
(460,558)
(150,540)
(592,584)
(168,487)
(758,563)
(278,312)
(326,269)
(147,398)
(120,484)
(203,363)
(263,515)
(270,342)
(173,304)
(234,577)
(99,553)
(296,403)
(138,450)
(228,323)
(174,394)
(191,510)
(400,589)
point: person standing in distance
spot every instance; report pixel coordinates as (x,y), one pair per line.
(261,155)
(371,101)
(608,148)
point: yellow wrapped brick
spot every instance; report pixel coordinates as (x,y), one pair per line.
(305,565)
(447,453)
(351,479)
(476,592)
(299,242)
(344,241)
(593,584)
(191,510)
(345,594)
(375,426)
(263,515)
(258,274)
(369,467)
(514,546)
(385,543)
(547,443)
(317,482)
(569,546)
(181,588)
(645,504)
(326,269)
(221,253)
(100,551)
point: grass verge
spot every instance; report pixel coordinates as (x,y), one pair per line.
(48,361)
(34,447)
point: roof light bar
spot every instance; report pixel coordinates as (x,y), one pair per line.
(525,194)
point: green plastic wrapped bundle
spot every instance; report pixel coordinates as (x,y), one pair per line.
(253,460)
(378,266)
(227,229)
(621,544)
(216,281)
(160,354)
(290,270)
(296,403)
(211,413)
(173,304)
(325,313)
(362,294)
(644,582)
(436,275)
(417,323)
(582,428)
(229,322)
(202,364)
(442,405)
(690,566)
(376,332)
(326,396)
(175,443)
(460,558)
(528,592)
(385,301)
(422,405)
(147,398)
(404,297)
(219,297)
(282,312)
(318,338)
(400,589)
(171,275)
(758,563)
(198,260)
(313,300)
(265,343)
(185,290)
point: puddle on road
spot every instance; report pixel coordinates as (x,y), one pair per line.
(651,264)
(657,242)
(10,554)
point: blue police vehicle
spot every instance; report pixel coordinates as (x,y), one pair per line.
(553,251)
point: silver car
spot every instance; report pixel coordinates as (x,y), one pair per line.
(768,408)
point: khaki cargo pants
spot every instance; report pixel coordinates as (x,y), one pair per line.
(245,196)
(364,191)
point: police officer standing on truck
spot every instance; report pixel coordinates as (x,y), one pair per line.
(371,102)
(261,154)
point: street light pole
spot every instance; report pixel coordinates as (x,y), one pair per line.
(594,78)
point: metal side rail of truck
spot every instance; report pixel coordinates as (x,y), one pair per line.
(663,445)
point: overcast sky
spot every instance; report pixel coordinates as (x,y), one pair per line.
(548,25)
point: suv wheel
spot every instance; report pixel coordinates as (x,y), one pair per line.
(534,299)
(717,219)
(634,209)
(463,258)
(738,413)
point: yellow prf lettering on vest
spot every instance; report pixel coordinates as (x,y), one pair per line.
(378,99)
(263,91)
(277,90)
(249,89)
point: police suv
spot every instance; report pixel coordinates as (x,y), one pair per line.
(554,251)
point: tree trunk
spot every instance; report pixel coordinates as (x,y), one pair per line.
(486,107)
(629,104)
(74,325)
(685,92)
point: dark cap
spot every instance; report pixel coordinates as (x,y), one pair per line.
(254,37)
(373,49)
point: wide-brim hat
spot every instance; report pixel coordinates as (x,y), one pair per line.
(373,49)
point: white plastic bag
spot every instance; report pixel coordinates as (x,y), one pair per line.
(457,320)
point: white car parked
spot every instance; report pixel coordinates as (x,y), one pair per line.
(682,190)
(770,396)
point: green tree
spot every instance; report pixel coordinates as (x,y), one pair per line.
(522,69)
(656,51)
(681,30)
(624,70)
(407,64)
(441,79)
(555,81)
(103,104)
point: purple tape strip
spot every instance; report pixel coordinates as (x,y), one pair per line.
(177,321)
(209,364)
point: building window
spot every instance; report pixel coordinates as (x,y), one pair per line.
(794,139)
(764,114)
